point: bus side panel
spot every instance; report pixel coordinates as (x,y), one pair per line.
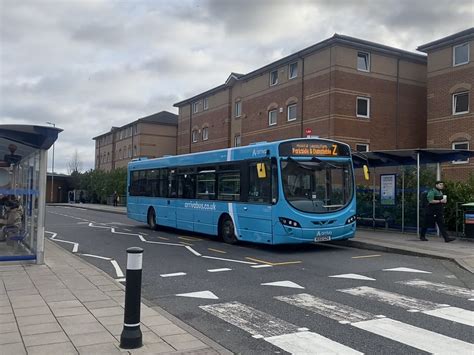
(184,215)
(166,212)
(205,218)
(255,222)
(136,210)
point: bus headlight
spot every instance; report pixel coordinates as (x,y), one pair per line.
(289,222)
(351,219)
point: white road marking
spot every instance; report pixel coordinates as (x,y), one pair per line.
(219,270)
(192,250)
(336,311)
(231,260)
(440,287)
(278,332)
(406,269)
(121,280)
(162,243)
(202,294)
(83,222)
(411,304)
(354,277)
(174,274)
(260,266)
(75,247)
(283,284)
(416,337)
(97,256)
(117,268)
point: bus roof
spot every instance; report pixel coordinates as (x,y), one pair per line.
(254,150)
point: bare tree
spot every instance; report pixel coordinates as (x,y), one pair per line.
(75,164)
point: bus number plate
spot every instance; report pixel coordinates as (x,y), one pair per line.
(322,239)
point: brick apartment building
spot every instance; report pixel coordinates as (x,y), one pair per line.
(450,118)
(368,95)
(152,136)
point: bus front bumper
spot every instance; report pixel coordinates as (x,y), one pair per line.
(292,235)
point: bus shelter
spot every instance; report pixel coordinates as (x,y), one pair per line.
(23,163)
(397,179)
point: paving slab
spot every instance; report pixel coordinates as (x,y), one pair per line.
(15,348)
(65,348)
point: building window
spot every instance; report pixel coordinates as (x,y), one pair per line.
(205,104)
(360,147)
(293,70)
(461,54)
(237,140)
(238,109)
(196,107)
(461,103)
(291,112)
(363,61)
(195,135)
(464,146)
(205,133)
(272,117)
(363,107)
(274,77)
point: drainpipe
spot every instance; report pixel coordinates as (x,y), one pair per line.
(397,110)
(190,125)
(329,92)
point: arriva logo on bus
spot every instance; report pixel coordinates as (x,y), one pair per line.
(257,152)
(324,234)
(200,206)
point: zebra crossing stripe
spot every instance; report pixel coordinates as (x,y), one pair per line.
(278,332)
(454,314)
(336,311)
(403,333)
(416,337)
(440,287)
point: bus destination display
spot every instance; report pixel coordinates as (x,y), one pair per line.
(316,148)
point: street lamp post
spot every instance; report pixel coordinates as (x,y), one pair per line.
(52,168)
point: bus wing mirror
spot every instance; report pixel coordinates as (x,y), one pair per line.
(366,172)
(261,171)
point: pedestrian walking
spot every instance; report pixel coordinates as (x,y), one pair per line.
(434,212)
(115,198)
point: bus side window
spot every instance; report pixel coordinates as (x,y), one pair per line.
(187,186)
(206,183)
(259,182)
(228,186)
(172,184)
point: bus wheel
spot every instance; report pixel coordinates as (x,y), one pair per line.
(152,219)
(227,231)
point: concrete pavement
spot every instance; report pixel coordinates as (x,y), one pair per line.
(68,306)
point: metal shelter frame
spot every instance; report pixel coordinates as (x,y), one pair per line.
(386,158)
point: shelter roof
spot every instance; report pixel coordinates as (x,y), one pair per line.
(409,157)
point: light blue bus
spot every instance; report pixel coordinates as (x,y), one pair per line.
(285,192)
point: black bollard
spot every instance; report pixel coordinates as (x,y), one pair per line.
(131,337)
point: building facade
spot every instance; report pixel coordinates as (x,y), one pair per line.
(450,80)
(152,136)
(368,95)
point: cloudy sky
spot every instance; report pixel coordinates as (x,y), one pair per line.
(88,65)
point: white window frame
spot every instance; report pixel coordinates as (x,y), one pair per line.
(288,113)
(195,106)
(205,133)
(276,81)
(453,146)
(368,61)
(454,54)
(238,109)
(367,147)
(289,70)
(368,106)
(276,117)
(454,102)
(237,136)
(205,104)
(194,135)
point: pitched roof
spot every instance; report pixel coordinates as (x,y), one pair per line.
(448,41)
(335,39)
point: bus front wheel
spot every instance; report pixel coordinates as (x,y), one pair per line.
(227,231)
(152,219)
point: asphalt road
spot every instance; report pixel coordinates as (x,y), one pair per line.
(258,299)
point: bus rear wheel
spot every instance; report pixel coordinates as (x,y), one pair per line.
(227,231)
(152,219)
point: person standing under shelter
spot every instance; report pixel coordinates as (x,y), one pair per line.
(115,198)
(434,212)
